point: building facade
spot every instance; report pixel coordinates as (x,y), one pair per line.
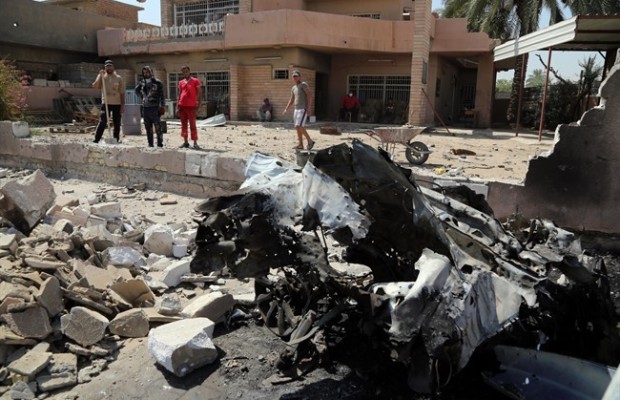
(403,62)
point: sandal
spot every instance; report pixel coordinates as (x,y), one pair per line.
(298,148)
(311,145)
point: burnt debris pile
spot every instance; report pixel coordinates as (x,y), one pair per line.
(351,246)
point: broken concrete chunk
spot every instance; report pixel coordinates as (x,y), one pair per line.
(109,210)
(94,220)
(171,276)
(63,201)
(170,305)
(52,382)
(179,250)
(183,346)
(159,239)
(50,296)
(14,290)
(135,292)
(167,200)
(33,322)
(30,364)
(43,263)
(8,242)
(64,225)
(83,325)
(25,201)
(23,391)
(155,316)
(211,305)
(123,256)
(8,302)
(130,323)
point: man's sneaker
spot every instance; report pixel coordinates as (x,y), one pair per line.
(160,145)
(184,146)
(196,147)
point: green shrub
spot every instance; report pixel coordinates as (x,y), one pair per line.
(12,93)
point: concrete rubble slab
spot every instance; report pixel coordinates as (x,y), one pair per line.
(83,325)
(212,305)
(24,202)
(183,346)
(130,323)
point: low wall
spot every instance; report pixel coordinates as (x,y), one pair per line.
(190,173)
(577,185)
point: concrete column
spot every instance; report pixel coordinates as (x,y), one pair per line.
(234,78)
(419,61)
(484,90)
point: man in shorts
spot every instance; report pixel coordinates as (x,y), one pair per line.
(301,96)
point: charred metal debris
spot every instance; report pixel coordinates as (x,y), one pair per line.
(443,277)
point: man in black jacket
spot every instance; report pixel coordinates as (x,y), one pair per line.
(151,91)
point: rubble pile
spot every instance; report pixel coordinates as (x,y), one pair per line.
(348,253)
(77,278)
(443,277)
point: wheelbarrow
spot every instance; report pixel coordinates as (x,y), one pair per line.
(416,152)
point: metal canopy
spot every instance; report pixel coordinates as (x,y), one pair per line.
(582,32)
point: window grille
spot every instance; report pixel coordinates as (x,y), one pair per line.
(385,99)
(280,74)
(204,11)
(215,87)
(380,87)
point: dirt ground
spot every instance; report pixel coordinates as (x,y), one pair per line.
(498,154)
(248,351)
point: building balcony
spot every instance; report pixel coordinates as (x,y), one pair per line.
(327,33)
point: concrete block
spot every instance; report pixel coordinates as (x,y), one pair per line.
(83,325)
(183,346)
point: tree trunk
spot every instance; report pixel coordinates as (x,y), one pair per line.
(517,83)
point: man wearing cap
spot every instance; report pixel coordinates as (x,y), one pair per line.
(113,87)
(151,90)
(301,96)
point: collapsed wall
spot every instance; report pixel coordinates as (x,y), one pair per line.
(576,185)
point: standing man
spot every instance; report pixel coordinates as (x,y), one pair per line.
(301,95)
(112,98)
(151,90)
(190,99)
(350,104)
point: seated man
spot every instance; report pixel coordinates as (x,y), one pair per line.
(350,104)
(265,111)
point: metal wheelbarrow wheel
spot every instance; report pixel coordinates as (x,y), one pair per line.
(416,153)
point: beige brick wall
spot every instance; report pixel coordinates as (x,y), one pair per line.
(257,83)
(108,8)
(115,9)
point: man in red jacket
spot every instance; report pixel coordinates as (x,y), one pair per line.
(350,104)
(190,99)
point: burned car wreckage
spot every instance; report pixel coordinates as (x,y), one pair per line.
(443,277)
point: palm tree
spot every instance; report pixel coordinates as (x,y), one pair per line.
(509,19)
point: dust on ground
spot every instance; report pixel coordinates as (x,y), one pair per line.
(498,155)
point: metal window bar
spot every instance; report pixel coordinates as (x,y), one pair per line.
(380,87)
(217,87)
(204,11)
(280,74)
(376,92)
